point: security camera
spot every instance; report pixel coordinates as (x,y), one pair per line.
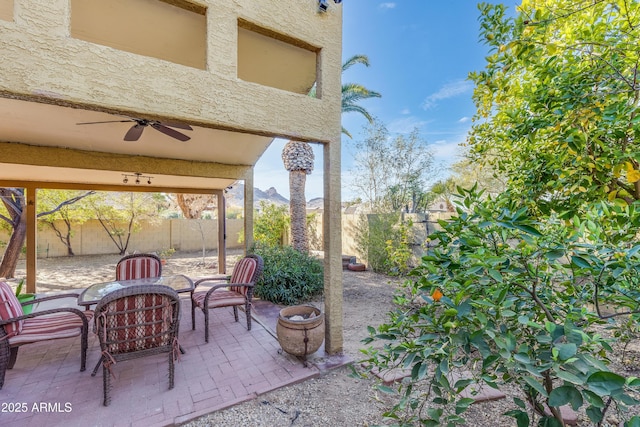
(337,1)
(322,5)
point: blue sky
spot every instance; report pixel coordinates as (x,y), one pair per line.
(421,52)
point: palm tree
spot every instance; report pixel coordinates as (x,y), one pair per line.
(298,156)
(298,160)
(352,93)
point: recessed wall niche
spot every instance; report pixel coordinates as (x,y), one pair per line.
(276,60)
(174,31)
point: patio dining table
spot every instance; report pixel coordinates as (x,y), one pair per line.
(94,293)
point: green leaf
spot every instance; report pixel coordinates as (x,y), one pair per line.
(549,422)
(495,275)
(594,414)
(569,377)
(386,389)
(633,422)
(593,399)
(566,351)
(528,229)
(555,254)
(580,261)
(566,394)
(522,418)
(463,404)
(605,383)
(536,385)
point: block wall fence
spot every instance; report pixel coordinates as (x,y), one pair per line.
(185,235)
(91,238)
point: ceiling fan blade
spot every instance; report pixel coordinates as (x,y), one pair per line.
(177,125)
(170,132)
(134,133)
(108,121)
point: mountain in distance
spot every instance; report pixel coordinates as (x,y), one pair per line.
(317,203)
(235,196)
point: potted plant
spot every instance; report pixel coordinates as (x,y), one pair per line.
(24,297)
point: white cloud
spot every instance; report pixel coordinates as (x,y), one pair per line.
(388,5)
(448,151)
(464,119)
(405,124)
(405,111)
(449,90)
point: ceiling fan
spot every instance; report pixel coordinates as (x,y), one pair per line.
(134,133)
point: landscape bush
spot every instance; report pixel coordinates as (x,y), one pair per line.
(384,238)
(290,277)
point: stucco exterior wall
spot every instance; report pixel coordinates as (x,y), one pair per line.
(44,64)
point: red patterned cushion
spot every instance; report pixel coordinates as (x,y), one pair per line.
(219,298)
(51,326)
(10,307)
(137,268)
(137,322)
(243,273)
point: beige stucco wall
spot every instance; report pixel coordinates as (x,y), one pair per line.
(351,223)
(181,234)
(44,64)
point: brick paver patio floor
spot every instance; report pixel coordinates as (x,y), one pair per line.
(46,386)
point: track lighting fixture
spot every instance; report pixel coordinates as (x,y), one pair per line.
(137,176)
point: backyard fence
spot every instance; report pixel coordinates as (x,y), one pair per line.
(90,238)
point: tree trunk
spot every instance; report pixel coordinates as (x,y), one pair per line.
(14,247)
(298,211)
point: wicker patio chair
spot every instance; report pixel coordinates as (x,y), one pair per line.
(17,328)
(134,322)
(236,291)
(138,266)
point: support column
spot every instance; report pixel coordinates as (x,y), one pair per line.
(332,235)
(248,211)
(32,244)
(222,232)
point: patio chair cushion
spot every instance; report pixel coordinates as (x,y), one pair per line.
(219,298)
(138,266)
(242,273)
(49,327)
(10,307)
(148,317)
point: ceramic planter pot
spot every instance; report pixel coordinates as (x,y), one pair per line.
(300,330)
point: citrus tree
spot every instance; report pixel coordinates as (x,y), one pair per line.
(504,299)
(557,102)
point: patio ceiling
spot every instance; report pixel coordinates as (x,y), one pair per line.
(27,126)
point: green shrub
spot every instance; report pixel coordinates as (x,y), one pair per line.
(385,240)
(271,224)
(290,277)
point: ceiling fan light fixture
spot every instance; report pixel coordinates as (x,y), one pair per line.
(135,132)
